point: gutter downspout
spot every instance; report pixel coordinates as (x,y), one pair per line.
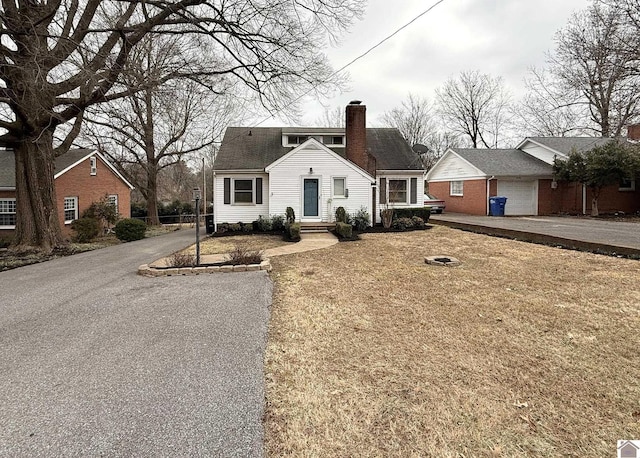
(584,199)
(215,204)
(488,191)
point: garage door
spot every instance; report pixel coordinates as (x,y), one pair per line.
(521,197)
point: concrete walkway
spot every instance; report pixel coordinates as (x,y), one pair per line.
(308,241)
(588,234)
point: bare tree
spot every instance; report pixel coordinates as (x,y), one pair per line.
(60,57)
(334,117)
(415,121)
(476,106)
(162,124)
(597,63)
(413,118)
(548,110)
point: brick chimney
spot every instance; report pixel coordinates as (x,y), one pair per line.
(356,136)
(633,132)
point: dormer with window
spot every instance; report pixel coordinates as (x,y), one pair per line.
(331,137)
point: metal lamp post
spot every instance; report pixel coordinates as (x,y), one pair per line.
(196,196)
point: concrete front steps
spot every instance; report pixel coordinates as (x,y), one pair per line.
(310,228)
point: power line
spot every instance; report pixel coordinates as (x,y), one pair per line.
(344,67)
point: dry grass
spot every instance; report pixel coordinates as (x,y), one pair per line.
(524,350)
(250,242)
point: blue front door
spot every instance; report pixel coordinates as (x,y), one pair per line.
(310,197)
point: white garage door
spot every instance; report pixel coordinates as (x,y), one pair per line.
(522,197)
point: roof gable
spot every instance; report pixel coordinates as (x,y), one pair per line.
(63,163)
(462,163)
(314,145)
(453,166)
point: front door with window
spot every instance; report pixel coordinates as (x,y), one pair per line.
(311,198)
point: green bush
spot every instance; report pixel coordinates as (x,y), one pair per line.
(344,230)
(277,223)
(360,220)
(341,215)
(222,228)
(292,232)
(402,224)
(262,224)
(422,212)
(235,227)
(290,215)
(418,222)
(128,230)
(5,242)
(85,229)
(102,211)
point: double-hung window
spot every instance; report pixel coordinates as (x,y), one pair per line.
(113,201)
(70,209)
(93,165)
(397,191)
(7,213)
(456,188)
(243,191)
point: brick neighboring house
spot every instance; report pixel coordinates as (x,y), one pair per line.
(82,176)
(466,178)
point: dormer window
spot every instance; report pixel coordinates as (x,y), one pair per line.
(297,139)
(94,165)
(333,140)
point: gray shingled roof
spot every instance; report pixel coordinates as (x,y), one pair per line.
(505,162)
(254,148)
(566,145)
(8,170)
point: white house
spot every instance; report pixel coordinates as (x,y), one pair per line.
(262,171)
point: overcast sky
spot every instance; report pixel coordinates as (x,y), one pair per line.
(500,37)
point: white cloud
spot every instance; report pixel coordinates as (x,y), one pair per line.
(504,38)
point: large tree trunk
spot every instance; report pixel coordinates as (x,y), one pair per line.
(152,195)
(37,224)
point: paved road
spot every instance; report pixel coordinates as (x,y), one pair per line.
(613,233)
(97,361)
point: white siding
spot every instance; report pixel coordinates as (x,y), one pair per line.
(453,167)
(240,213)
(540,152)
(419,175)
(285,183)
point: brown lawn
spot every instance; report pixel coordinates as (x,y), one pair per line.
(252,242)
(524,350)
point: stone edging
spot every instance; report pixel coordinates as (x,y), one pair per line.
(147,271)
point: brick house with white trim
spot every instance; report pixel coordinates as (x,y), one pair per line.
(81,177)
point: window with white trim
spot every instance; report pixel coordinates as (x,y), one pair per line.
(456,188)
(242,191)
(93,161)
(339,187)
(70,209)
(113,201)
(8,213)
(627,185)
(333,140)
(398,191)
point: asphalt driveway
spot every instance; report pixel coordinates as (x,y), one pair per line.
(590,233)
(97,361)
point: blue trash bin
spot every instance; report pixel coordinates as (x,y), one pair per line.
(496,205)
